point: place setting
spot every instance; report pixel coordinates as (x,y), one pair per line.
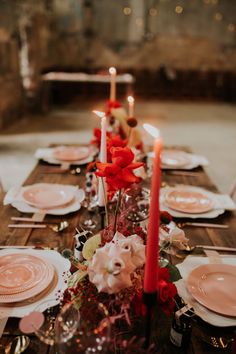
(41,199)
(30,279)
(174,159)
(66,156)
(183,201)
(209,287)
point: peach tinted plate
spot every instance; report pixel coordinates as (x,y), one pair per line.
(19,272)
(188,201)
(171,158)
(24,273)
(214,286)
(71,153)
(45,196)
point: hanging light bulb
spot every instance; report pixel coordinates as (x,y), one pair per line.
(127,11)
(179,9)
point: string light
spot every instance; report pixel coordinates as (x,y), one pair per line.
(127,11)
(152,11)
(179,9)
(218,16)
(139,22)
(231,27)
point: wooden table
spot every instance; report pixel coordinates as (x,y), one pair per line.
(48,238)
(52,78)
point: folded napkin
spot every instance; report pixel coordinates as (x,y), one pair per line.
(209,316)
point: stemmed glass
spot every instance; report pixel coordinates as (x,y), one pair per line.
(92,335)
(136,202)
(53,331)
(88,220)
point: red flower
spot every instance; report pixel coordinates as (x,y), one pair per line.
(119,174)
(111,104)
(97,136)
(114,141)
(166,291)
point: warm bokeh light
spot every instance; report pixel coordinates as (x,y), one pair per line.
(112,70)
(127,11)
(152,11)
(179,9)
(231,27)
(139,22)
(218,16)
(130,99)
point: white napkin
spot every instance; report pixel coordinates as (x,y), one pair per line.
(209,316)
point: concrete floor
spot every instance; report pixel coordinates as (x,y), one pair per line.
(208,128)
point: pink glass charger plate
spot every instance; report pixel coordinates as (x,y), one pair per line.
(20,272)
(71,153)
(188,201)
(214,286)
(174,159)
(43,276)
(45,196)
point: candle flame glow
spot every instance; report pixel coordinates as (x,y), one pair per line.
(153,131)
(130,99)
(99,114)
(112,70)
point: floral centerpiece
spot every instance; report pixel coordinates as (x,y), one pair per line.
(112,269)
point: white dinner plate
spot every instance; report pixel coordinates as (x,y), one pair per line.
(214,286)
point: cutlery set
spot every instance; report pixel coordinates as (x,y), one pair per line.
(55,226)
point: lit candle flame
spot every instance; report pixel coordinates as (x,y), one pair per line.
(112,70)
(153,131)
(130,99)
(99,114)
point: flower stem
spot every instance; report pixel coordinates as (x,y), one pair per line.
(129,135)
(105,199)
(117,210)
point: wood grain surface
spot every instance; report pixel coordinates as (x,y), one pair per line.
(48,238)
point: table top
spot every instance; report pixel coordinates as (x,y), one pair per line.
(51,239)
(84,77)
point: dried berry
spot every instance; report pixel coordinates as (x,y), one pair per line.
(132,122)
